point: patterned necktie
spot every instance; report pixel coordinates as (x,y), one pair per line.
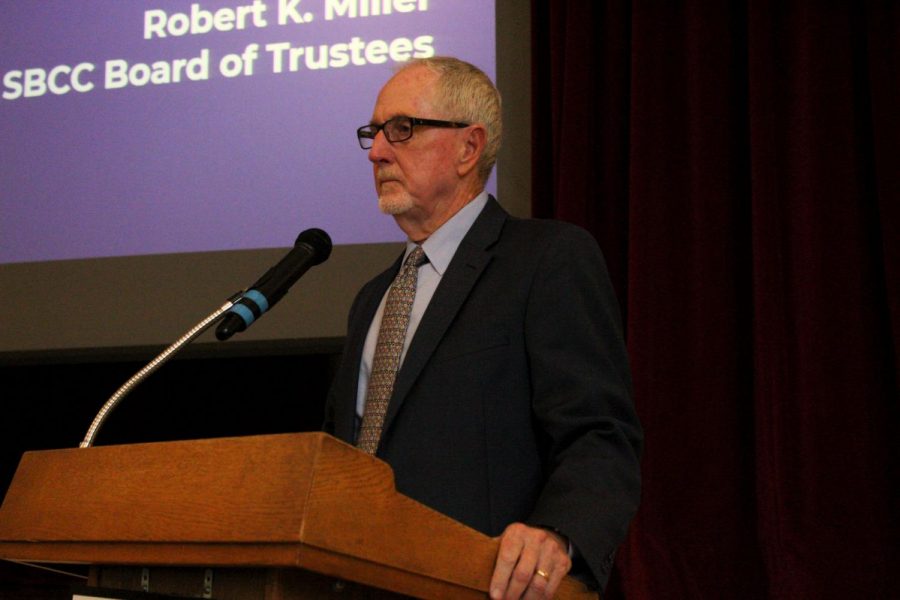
(386,361)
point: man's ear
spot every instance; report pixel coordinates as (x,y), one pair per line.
(474,139)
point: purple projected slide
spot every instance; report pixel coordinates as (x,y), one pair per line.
(176,126)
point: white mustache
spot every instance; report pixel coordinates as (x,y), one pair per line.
(382,177)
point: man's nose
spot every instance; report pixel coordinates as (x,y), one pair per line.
(381,149)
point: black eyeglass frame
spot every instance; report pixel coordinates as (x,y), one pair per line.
(366,134)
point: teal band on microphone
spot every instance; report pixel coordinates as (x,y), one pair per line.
(244,313)
(259,300)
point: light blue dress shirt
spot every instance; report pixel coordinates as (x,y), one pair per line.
(439,248)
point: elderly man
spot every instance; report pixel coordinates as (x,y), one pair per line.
(487,365)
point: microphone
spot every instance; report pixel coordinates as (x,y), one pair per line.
(312,247)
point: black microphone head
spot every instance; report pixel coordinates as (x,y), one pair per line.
(318,241)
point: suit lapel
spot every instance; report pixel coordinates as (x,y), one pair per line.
(471,258)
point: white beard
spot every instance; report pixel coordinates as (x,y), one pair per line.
(395,204)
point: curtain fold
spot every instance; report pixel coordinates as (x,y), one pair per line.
(738,163)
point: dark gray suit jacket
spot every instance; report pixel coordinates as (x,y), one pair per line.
(514,399)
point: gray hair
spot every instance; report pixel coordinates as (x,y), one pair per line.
(468,95)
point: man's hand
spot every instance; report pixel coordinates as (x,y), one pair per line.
(531,563)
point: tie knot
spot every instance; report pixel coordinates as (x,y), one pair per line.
(416,258)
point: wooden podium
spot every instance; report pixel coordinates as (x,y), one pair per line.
(273,517)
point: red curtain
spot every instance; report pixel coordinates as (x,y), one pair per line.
(739,163)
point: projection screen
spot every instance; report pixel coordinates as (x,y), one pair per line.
(159,156)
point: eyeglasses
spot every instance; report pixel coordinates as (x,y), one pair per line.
(398,129)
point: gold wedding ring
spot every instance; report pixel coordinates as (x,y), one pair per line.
(543,574)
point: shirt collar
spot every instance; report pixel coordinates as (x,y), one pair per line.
(442,244)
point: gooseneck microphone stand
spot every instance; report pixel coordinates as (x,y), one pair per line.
(152,366)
